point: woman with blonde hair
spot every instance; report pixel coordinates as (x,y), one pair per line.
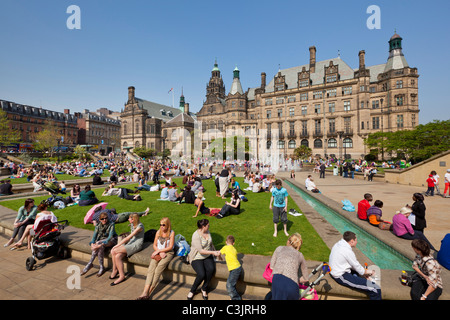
(161,256)
(285,264)
(128,246)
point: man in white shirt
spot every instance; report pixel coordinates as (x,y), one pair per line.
(347,271)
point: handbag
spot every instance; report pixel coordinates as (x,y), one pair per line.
(268,273)
(157,257)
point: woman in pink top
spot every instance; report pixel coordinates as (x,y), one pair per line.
(402,227)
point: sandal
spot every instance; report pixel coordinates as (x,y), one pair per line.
(143,298)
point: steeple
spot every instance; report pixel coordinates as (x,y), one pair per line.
(236,86)
(182,102)
(215,86)
(396,58)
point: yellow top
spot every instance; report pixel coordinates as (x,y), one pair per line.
(230,257)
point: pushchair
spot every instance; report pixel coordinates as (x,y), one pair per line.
(51,187)
(307,291)
(45,241)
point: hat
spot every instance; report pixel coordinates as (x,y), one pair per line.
(448,170)
(405,210)
(430,175)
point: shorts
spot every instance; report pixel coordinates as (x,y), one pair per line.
(279,214)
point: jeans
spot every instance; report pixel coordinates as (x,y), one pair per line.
(233,277)
(430,191)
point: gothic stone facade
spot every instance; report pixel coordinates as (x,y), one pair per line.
(325,105)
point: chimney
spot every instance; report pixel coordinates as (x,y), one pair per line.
(131,91)
(362,59)
(263,80)
(312,59)
(186,108)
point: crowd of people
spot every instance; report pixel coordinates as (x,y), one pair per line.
(286,262)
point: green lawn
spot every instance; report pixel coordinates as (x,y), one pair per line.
(253,226)
(60,177)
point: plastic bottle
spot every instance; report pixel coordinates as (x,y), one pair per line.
(404,278)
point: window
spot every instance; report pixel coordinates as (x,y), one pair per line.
(347,90)
(233,104)
(331,92)
(347,125)
(279,87)
(291,127)
(269,114)
(413,120)
(317,95)
(305,143)
(332,143)
(291,112)
(280,144)
(269,102)
(268,144)
(331,107)
(304,96)
(399,100)
(376,123)
(346,105)
(291,99)
(317,108)
(280,113)
(317,126)
(400,121)
(331,78)
(399,84)
(362,125)
(332,125)
(304,110)
(280,100)
(375,104)
(303,83)
(304,127)
(373,89)
(348,143)
(291,144)
(318,143)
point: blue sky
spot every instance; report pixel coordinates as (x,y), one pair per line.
(159,45)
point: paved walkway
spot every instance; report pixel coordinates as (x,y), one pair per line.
(49,281)
(394,197)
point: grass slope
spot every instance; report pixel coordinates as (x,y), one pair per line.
(253,228)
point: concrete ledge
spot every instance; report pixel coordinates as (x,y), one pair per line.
(390,285)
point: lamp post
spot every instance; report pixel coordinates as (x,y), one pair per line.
(340,133)
(382,128)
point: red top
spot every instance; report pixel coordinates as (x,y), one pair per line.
(363,205)
(431,182)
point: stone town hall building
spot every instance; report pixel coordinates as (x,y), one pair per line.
(325,105)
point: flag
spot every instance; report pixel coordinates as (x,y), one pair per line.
(170,90)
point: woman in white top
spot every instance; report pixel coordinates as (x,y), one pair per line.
(161,256)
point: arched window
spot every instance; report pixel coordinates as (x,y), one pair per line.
(291,144)
(332,143)
(136,127)
(305,143)
(125,128)
(318,143)
(348,143)
(269,144)
(280,144)
(137,144)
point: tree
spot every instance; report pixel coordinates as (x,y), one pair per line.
(302,152)
(7,134)
(47,139)
(80,152)
(416,145)
(144,152)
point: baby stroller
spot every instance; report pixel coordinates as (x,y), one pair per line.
(51,187)
(307,291)
(45,241)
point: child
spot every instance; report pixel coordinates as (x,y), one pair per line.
(62,185)
(431,183)
(234,267)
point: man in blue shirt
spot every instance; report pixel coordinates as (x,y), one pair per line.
(443,256)
(280,201)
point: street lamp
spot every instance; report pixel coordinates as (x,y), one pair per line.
(340,133)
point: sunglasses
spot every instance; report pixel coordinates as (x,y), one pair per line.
(162,225)
(103,219)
